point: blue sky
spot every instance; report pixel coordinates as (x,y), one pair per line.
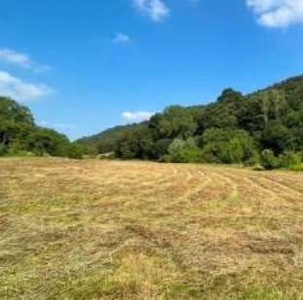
(83,66)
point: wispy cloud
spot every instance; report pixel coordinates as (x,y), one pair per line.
(121,38)
(20,90)
(277,13)
(157,10)
(23,60)
(137,116)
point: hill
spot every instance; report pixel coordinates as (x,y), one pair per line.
(106,141)
(236,128)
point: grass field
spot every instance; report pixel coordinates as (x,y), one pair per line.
(134,230)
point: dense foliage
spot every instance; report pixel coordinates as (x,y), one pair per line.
(263,127)
(19,135)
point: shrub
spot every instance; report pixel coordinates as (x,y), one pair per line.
(209,154)
(184,151)
(159,149)
(288,159)
(227,146)
(254,160)
(268,160)
(75,151)
(296,168)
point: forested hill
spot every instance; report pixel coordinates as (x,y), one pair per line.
(19,135)
(236,128)
(105,141)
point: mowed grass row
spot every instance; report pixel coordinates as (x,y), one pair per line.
(134,230)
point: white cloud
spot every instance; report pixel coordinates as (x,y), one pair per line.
(137,116)
(121,38)
(157,10)
(20,90)
(277,13)
(20,59)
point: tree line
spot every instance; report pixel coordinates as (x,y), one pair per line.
(265,127)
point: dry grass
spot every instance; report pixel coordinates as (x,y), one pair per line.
(134,230)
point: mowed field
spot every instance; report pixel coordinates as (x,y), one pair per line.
(136,230)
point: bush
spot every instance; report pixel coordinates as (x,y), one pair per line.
(184,151)
(233,152)
(288,159)
(228,146)
(209,154)
(160,149)
(75,151)
(296,168)
(268,160)
(254,160)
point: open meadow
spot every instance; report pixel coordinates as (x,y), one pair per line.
(138,230)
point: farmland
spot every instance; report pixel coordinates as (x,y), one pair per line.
(139,230)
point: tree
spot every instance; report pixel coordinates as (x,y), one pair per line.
(47,141)
(128,146)
(227,146)
(231,96)
(136,143)
(278,138)
(273,103)
(222,114)
(15,121)
(75,151)
(160,148)
(251,116)
(184,151)
(175,121)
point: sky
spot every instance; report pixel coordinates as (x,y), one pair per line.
(84,66)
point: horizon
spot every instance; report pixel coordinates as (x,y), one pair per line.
(89,67)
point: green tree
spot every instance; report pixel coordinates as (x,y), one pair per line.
(227,146)
(278,138)
(175,121)
(160,148)
(47,141)
(15,121)
(75,151)
(184,151)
